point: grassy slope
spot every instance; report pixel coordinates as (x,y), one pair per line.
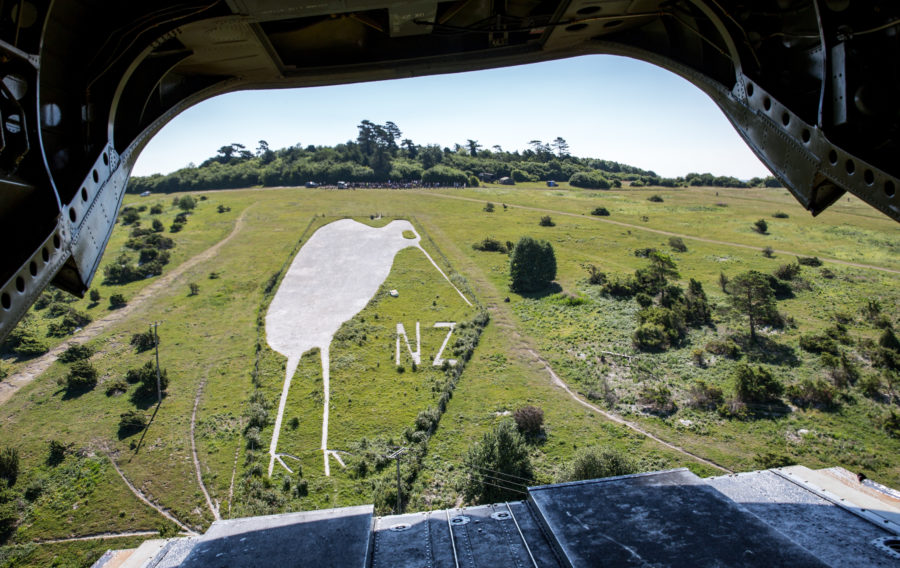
(210,337)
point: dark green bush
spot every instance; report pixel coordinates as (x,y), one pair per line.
(532,265)
(705,396)
(596,463)
(489,244)
(117,301)
(756,384)
(76,353)
(809,261)
(600,212)
(143,341)
(82,375)
(677,244)
(589,180)
(546,221)
(529,420)
(655,198)
(131,422)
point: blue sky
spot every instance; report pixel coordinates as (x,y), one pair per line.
(605,107)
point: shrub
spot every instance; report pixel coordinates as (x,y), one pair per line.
(871,386)
(94,295)
(158,227)
(677,244)
(546,221)
(787,271)
(727,348)
(194,288)
(655,198)
(76,353)
(761,227)
(780,215)
(589,180)
(156,209)
(490,244)
(498,467)
(704,396)
(145,376)
(131,422)
(643,300)
(68,324)
(175,227)
(529,420)
(812,392)
(129,215)
(532,266)
(650,337)
(9,465)
(756,385)
(595,463)
(620,287)
(82,375)
(768,252)
(57,452)
(595,277)
(818,344)
(489,207)
(600,212)
(888,340)
(657,398)
(890,423)
(809,261)
(116,387)
(117,301)
(473,181)
(187,203)
(143,341)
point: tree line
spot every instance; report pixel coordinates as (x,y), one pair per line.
(381,155)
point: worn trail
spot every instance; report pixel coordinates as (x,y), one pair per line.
(36,367)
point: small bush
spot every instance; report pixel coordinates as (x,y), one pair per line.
(129,215)
(156,209)
(620,287)
(650,337)
(768,252)
(546,221)
(756,385)
(194,289)
(643,300)
(158,227)
(488,207)
(529,420)
(705,396)
(82,375)
(595,277)
(143,341)
(808,392)
(117,301)
(644,252)
(657,398)
(677,244)
(600,212)
(76,353)
(131,422)
(116,387)
(889,340)
(809,261)
(490,244)
(57,452)
(94,295)
(818,344)
(761,227)
(655,198)
(727,348)
(9,465)
(595,463)
(787,271)
(780,215)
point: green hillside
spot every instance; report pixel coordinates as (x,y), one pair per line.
(837,404)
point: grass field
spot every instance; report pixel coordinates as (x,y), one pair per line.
(209,348)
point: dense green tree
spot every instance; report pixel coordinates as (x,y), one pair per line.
(498,467)
(596,463)
(756,384)
(532,265)
(752,296)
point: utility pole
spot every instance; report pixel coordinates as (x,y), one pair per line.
(158,379)
(396,456)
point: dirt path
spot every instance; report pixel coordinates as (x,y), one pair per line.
(214,509)
(142,497)
(669,234)
(38,366)
(98,536)
(501,317)
(616,418)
